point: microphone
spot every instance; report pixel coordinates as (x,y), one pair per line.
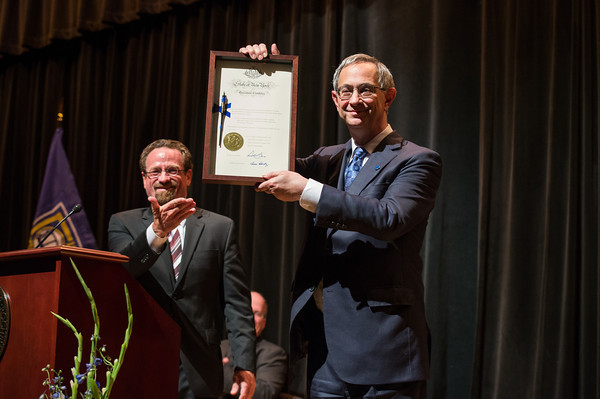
(75,209)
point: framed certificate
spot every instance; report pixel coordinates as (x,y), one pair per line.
(250,117)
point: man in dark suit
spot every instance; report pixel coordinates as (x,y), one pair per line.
(271,359)
(358,296)
(188,260)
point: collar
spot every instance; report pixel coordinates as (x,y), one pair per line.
(371,145)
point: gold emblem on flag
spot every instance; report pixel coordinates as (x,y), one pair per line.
(66,234)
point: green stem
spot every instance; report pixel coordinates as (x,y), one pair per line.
(111,375)
(113,368)
(75,369)
(91,377)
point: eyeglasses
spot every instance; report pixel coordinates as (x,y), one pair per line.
(154,173)
(365,90)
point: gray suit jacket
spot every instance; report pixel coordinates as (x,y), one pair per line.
(364,243)
(212,285)
(271,369)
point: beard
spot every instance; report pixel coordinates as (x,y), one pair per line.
(165,196)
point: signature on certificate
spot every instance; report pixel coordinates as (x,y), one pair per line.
(256,155)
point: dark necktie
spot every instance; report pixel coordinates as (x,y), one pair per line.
(354,167)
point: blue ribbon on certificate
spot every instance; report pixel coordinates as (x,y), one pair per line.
(223,110)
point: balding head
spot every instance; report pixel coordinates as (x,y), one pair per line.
(259,307)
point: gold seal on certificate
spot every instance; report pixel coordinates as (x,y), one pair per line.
(233,141)
(250,117)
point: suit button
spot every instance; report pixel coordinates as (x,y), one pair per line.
(176,295)
(145,258)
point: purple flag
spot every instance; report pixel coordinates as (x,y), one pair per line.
(58,197)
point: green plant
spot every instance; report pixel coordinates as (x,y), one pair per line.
(93,389)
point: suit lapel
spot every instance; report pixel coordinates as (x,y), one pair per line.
(147,218)
(163,267)
(193,230)
(327,167)
(383,154)
(347,152)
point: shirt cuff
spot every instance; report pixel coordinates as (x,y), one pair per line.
(311,195)
(155,242)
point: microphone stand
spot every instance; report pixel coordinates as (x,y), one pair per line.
(75,209)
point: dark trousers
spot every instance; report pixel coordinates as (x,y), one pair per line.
(323,381)
(185,391)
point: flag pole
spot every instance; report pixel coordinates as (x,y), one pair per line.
(59,115)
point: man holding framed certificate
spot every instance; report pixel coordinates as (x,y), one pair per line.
(250,117)
(358,295)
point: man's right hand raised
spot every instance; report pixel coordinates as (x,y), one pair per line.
(168,216)
(259,51)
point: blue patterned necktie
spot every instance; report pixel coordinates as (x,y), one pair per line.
(354,167)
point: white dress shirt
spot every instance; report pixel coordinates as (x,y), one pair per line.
(156,243)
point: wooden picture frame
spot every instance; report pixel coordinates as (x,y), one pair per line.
(250,117)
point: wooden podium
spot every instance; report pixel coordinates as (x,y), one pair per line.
(40,281)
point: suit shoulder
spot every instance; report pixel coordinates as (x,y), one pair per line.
(214,218)
(331,150)
(413,149)
(129,214)
(326,151)
(318,159)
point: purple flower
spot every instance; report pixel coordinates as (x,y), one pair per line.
(97,362)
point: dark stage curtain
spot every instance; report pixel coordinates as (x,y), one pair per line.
(537,328)
(506,92)
(33,24)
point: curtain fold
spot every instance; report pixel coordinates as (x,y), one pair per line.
(27,24)
(506,92)
(538,229)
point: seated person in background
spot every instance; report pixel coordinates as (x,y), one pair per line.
(271,359)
